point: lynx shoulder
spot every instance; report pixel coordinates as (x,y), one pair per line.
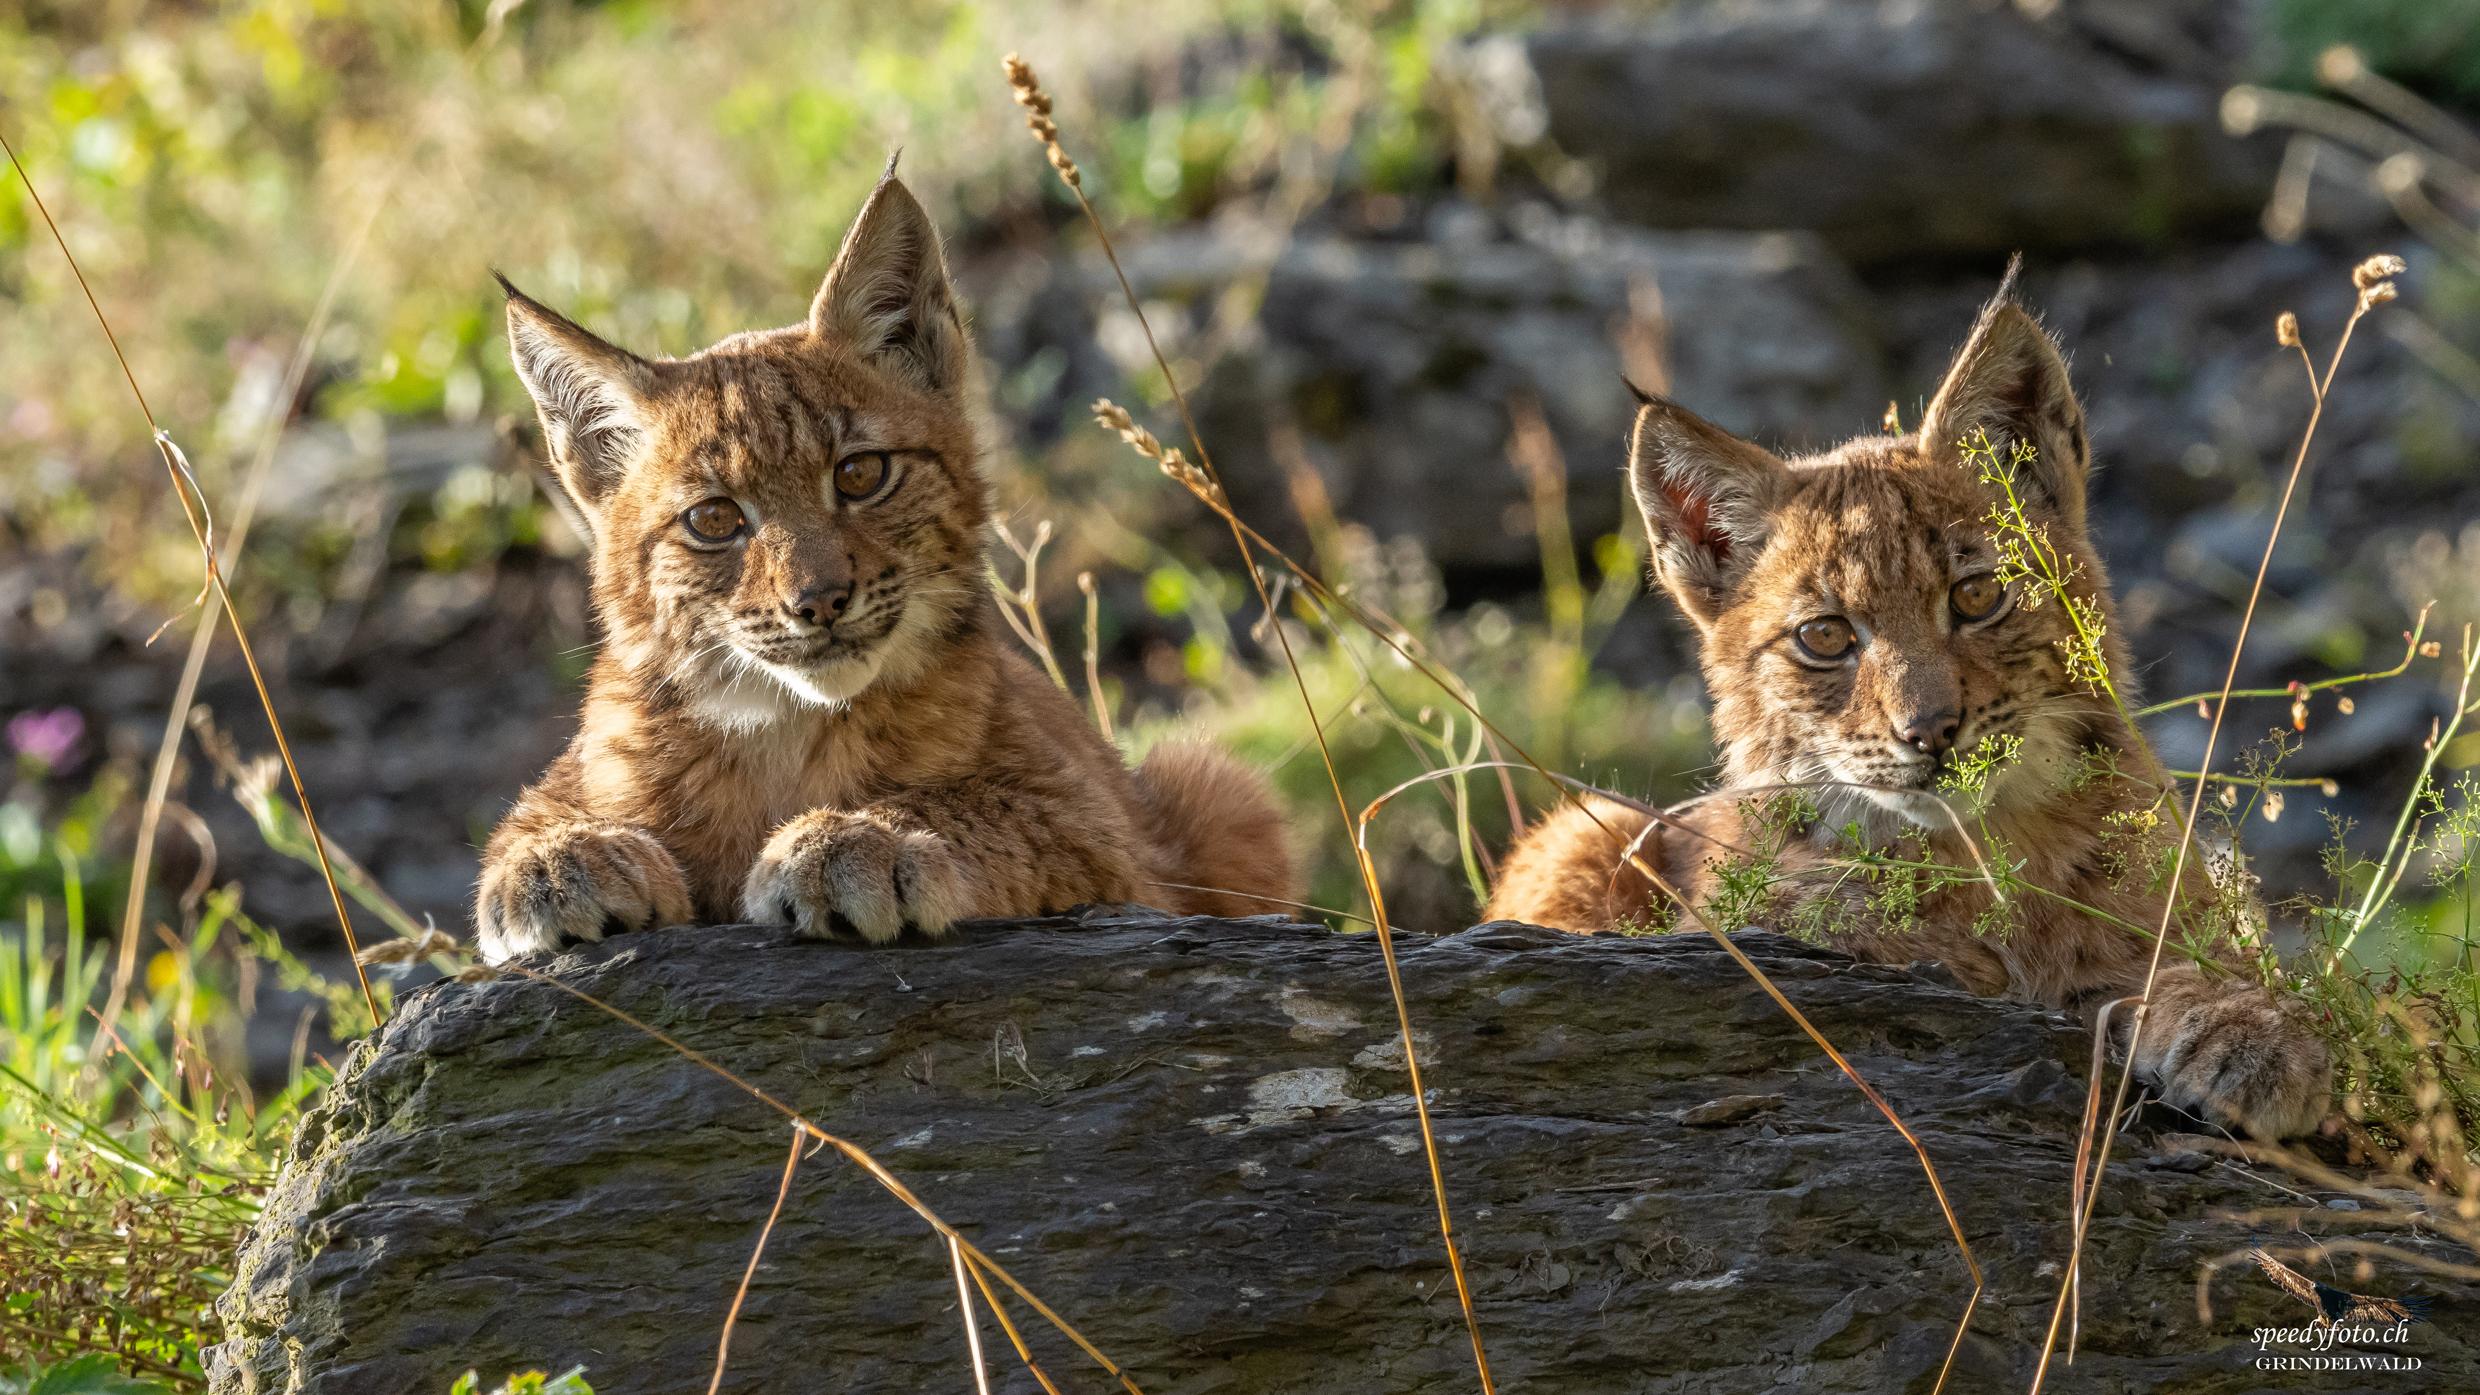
(805,709)
(1885,681)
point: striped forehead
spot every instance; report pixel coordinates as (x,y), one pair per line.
(748,421)
(1857,533)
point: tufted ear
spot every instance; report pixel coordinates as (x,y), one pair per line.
(2010,381)
(1708,498)
(887,298)
(591,398)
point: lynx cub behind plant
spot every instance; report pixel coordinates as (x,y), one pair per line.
(1855,627)
(804,709)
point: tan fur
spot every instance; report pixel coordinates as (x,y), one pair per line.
(820,721)
(1877,531)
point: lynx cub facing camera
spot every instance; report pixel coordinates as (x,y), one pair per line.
(804,709)
(1861,640)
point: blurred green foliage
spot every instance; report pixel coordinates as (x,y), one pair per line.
(569,1382)
(666,174)
(2431,46)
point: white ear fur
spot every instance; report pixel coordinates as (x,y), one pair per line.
(1708,498)
(590,396)
(887,298)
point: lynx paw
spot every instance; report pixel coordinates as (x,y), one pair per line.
(574,881)
(2235,1054)
(830,873)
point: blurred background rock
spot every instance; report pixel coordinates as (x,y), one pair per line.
(1404,253)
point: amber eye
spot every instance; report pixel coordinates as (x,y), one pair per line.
(1975,597)
(860,476)
(715,520)
(1829,638)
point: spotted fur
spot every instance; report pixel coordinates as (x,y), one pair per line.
(1878,531)
(818,720)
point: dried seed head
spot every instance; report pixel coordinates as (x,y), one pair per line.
(2431,649)
(1115,417)
(2377,268)
(2377,295)
(2273,806)
(2329,789)
(2299,714)
(405,949)
(2230,796)
(1037,105)
(2286,330)
(2347,706)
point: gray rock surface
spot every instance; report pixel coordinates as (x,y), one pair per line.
(1913,130)
(1396,362)
(1194,1140)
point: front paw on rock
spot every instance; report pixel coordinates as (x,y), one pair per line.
(2241,1058)
(575,882)
(825,874)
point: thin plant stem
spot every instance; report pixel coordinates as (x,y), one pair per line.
(184,487)
(271,434)
(1029,94)
(2411,650)
(1203,482)
(857,1154)
(723,1345)
(1093,654)
(2381,887)
(972,1324)
(202,640)
(998,1310)
(2069,1283)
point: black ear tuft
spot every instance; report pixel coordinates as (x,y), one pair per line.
(2006,284)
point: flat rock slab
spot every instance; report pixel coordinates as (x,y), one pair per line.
(1195,1140)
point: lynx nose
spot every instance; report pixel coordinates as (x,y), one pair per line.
(1931,734)
(821,604)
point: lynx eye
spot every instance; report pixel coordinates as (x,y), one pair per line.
(1975,597)
(1829,638)
(715,520)
(859,476)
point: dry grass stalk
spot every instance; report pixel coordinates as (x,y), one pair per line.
(1535,454)
(262,460)
(2372,279)
(409,949)
(1201,480)
(1188,473)
(194,509)
(974,1257)
(1037,105)
(723,1344)
(972,1323)
(1093,654)
(1022,606)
